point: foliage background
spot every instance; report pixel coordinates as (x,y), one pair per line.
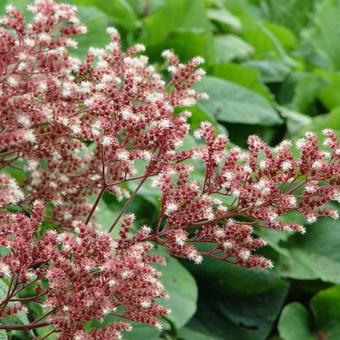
(273,70)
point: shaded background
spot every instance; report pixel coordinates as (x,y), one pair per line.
(273,70)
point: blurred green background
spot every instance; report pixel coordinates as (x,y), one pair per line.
(274,70)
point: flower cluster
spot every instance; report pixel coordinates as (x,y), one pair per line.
(84,127)
(88,275)
(245,189)
(52,102)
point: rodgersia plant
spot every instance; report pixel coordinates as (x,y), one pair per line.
(79,128)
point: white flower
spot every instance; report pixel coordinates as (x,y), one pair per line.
(286,165)
(126,113)
(85,87)
(171,207)
(219,233)
(263,165)
(145,304)
(29,136)
(112,30)
(122,155)
(24,121)
(194,256)
(71,43)
(292,201)
(317,165)
(167,54)
(97,52)
(172,69)
(107,141)
(9,8)
(12,81)
(244,254)
(164,124)
(89,102)
(198,60)
(300,143)
(311,219)
(154,97)
(227,245)
(140,47)
(247,169)
(44,37)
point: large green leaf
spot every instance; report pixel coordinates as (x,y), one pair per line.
(20,317)
(306,93)
(96,22)
(330,120)
(295,323)
(295,120)
(166,19)
(142,332)
(272,71)
(3,335)
(326,309)
(243,75)
(329,93)
(187,45)
(264,41)
(314,255)
(326,31)
(236,303)
(182,288)
(223,16)
(294,14)
(285,36)
(233,103)
(120,11)
(229,47)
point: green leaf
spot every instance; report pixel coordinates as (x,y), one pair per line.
(271,71)
(105,214)
(326,309)
(295,120)
(229,47)
(188,333)
(237,302)
(3,289)
(166,19)
(233,103)
(223,16)
(188,45)
(119,11)
(330,120)
(142,332)
(294,323)
(20,317)
(96,22)
(265,43)
(294,14)
(182,288)
(326,31)
(243,75)
(283,34)
(328,94)
(3,335)
(306,93)
(314,255)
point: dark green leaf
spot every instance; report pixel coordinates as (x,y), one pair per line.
(229,47)
(243,75)
(295,323)
(326,309)
(233,103)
